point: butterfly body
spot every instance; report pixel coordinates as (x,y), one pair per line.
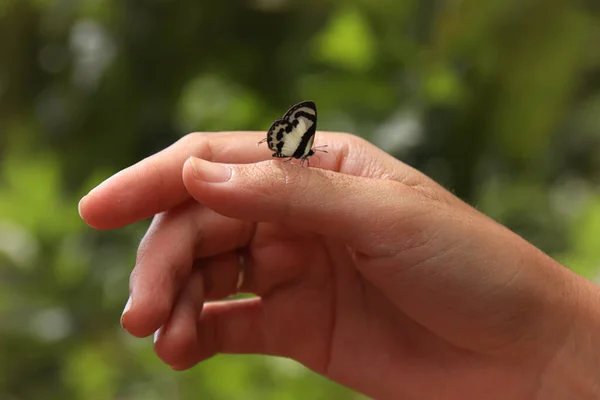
(292,136)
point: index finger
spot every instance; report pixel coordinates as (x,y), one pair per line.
(155,184)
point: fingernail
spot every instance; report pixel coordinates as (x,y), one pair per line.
(79,206)
(127,307)
(157,334)
(210,172)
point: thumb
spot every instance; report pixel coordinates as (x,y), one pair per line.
(367,213)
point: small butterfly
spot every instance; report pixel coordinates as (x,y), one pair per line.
(293,134)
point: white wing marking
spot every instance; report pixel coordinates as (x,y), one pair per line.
(292,140)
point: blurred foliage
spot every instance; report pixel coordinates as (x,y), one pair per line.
(498,100)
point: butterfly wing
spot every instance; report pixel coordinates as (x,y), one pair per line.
(276,135)
(303,119)
(293,134)
(307,106)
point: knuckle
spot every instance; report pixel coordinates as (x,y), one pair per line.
(197,144)
(356,142)
(190,139)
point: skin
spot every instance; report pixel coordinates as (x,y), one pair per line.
(365,271)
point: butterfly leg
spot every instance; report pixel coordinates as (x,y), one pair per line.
(320,148)
(305,160)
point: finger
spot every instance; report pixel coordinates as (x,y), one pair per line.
(230,327)
(176,343)
(198,331)
(233,327)
(289,319)
(266,266)
(251,326)
(154,184)
(361,211)
(220,275)
(166,256)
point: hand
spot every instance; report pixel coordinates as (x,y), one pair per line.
(367,271)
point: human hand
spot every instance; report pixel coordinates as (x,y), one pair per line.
(367,271)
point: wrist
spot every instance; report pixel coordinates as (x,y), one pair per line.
(573,371)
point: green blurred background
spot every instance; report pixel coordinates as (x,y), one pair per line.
(498,100)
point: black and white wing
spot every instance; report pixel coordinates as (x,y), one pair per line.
(303,119)
(308,107)
(293,134)
(276,136)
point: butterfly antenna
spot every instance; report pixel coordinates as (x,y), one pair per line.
(320,148)
(261,142)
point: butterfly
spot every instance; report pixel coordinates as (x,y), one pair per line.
(293,134)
